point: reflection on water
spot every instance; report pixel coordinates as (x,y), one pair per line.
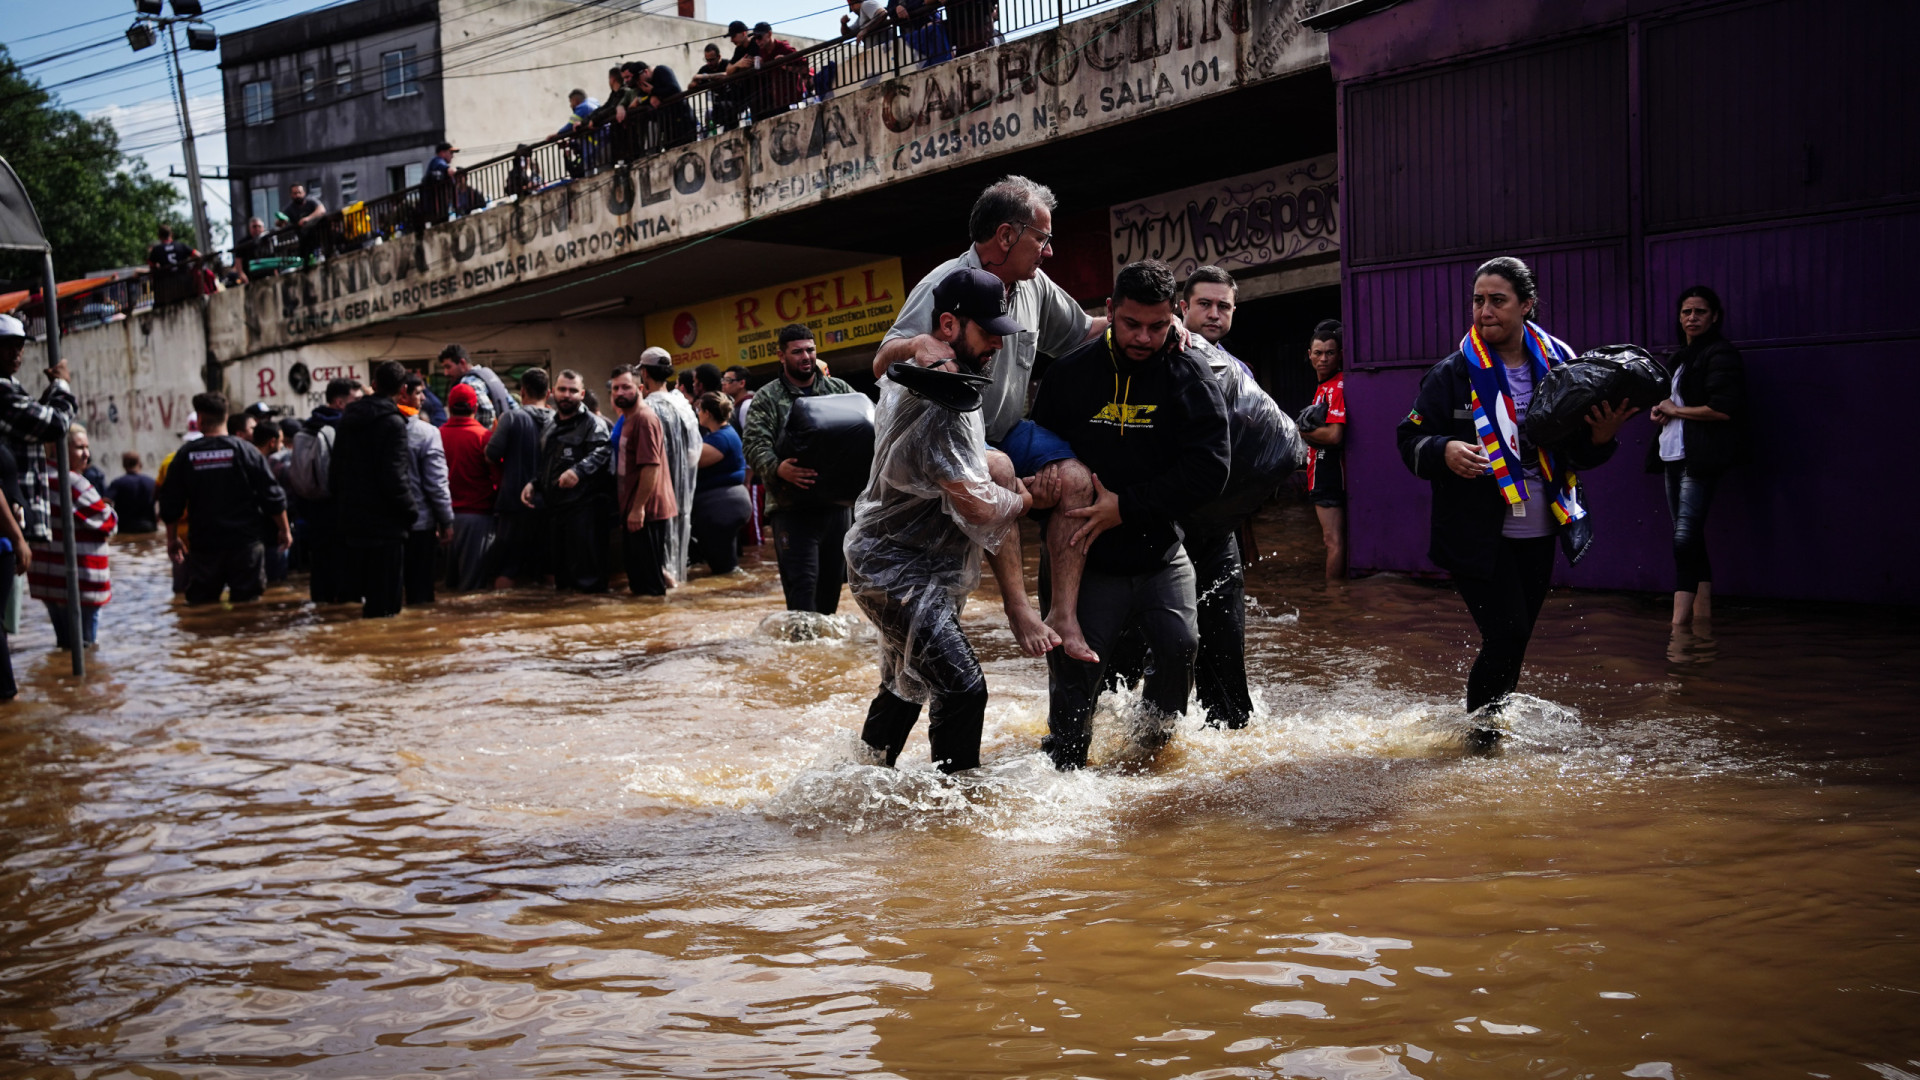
(607,837)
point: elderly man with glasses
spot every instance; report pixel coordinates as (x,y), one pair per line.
(1011,227)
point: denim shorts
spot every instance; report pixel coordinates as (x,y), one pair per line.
(1032,448)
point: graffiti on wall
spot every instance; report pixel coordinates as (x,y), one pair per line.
(1241,222)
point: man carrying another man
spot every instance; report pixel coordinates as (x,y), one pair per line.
(808,538)
(936,497)
(1144,412)
(1011,226)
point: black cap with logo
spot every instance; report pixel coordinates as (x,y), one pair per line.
(977,296)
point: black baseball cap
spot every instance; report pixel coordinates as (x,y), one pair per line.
(760,28)
(975,295)
(736,27)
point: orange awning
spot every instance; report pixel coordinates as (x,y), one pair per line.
(12,300)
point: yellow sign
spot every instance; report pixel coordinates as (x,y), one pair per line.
(846,309)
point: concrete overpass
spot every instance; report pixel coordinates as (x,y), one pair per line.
(1112,111)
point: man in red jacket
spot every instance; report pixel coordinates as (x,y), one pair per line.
(474,483)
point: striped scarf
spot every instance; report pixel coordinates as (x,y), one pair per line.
(1497,423)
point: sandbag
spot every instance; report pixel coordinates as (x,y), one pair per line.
(1265,448)
(831,434)
(1609,373)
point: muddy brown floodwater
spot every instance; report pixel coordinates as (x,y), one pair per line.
(521,835)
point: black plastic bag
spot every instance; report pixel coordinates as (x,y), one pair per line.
(1264,447)
(831,434)
(1610,373)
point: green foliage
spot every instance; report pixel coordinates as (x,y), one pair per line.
(98,206)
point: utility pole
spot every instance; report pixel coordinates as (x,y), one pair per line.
(200,38)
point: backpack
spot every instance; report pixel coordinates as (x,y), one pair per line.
(312,459)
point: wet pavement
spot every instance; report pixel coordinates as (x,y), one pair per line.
(520,834)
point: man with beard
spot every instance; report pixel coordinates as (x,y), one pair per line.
(574,460)
(808,538)
(1144,413)
(681,431)
(936,497)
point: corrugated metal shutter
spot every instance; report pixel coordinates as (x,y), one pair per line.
(1776,108)
(1528,148)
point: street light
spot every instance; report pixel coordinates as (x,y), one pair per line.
(200,38)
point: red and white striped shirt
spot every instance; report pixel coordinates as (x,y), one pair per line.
(95,522)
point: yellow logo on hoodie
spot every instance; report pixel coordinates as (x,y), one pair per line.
(1116,414)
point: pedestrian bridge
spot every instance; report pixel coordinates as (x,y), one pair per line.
(1063,81)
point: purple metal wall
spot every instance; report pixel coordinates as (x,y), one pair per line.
(1628,149)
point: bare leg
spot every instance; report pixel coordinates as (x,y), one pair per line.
(1075,484)
(1333,530)
(1683,603)
(1035,637)
(1703,602)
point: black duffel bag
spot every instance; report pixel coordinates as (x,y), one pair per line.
(1611,373)
(831,434)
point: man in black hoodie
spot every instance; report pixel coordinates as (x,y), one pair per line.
(368,478)
(1147,417)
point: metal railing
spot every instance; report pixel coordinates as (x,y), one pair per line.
(931,34)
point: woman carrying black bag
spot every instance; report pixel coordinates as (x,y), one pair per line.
(1498,501)
(1702,434)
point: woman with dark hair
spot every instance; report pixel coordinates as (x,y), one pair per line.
(1499,502)
(720,503)
(1702,434)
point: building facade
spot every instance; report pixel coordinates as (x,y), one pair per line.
(351,100)
(1629,149)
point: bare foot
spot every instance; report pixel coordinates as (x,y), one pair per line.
(1071,639)
(1036,638)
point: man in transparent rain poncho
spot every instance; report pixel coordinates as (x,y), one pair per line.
(936,497)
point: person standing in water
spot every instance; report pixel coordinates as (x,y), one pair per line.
(1498,501)
(1702,435)
(936,497)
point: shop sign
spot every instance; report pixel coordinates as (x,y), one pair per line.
(844,310)
(1239,223)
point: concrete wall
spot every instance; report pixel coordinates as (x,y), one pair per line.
(135,380)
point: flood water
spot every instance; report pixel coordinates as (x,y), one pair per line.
(515,834)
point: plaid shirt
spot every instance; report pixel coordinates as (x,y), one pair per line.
(27,424)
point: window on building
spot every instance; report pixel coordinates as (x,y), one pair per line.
(315,191)
(262,205)
(401,71)
(402,177)
(349,187)
(256,99)
(343,76)
(309,85)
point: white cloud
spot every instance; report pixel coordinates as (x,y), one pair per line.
(150,131)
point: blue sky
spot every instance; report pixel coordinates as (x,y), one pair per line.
(133,90)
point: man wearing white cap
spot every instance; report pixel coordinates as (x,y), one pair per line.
(27,423)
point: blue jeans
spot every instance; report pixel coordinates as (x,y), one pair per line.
(1688,497)
(89,623)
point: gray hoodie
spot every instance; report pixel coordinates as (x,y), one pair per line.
(427,476)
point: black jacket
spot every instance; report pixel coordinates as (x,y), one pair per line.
(1468,514)
(368,474)
(577,442)
(225,487)
(1155,434)
(1711,374)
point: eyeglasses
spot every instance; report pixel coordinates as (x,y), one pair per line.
(1046,238)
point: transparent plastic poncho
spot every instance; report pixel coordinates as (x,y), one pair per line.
(909,546)
(682,437)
